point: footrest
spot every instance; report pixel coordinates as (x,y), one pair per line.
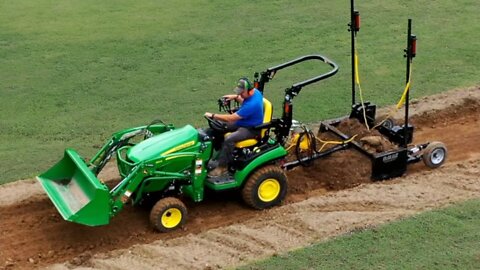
(222,179)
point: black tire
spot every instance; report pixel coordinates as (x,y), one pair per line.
(388,123)
(168,214)
(434,155)
(265,188)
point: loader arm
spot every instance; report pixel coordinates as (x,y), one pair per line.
(120,139)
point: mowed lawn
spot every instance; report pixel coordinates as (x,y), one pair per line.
(441,239)
(74,72)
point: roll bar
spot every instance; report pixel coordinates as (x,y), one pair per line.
(268,74)
(282,126)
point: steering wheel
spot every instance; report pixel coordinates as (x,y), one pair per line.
(216,124)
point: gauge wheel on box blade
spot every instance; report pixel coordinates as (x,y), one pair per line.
(265,188)
(388,123)
(434,154)
(168,214)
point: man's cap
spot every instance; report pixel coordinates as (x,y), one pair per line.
(243,84)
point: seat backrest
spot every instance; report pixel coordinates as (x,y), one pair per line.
(267,115)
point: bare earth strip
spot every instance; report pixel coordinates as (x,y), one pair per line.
(299,224)
(223,234)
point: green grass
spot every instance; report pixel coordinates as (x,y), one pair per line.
(73,72)
(442,239)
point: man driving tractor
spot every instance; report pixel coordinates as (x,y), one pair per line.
(241,123)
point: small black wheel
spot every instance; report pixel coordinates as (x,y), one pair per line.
(168,214)
(434,155)
(265,188)
(388,123)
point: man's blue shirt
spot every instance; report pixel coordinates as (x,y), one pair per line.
(251,111)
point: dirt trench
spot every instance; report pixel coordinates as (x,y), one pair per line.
(332,196)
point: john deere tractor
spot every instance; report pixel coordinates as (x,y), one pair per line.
(162,162)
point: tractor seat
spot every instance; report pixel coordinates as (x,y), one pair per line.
(267,117)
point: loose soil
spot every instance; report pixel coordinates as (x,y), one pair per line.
(332,196)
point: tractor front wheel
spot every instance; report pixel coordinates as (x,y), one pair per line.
(168,214)
(265,188)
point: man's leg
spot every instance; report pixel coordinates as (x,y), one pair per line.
(226,154)
(229,144)
(218,136)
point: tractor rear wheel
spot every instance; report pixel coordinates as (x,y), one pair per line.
(265,188)
(434,155)
(168,214)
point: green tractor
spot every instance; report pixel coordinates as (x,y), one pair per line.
(161,162)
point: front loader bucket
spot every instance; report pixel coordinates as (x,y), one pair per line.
(76,192)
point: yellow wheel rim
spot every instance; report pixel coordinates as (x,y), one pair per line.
(171,218)
(269,190)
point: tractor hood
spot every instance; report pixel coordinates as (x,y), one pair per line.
(163,144)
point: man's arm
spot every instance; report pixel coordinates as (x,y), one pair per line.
(224,117)
(238,98)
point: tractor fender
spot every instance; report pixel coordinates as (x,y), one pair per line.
(267,157)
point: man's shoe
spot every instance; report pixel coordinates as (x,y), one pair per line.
(212,164)
(219,171)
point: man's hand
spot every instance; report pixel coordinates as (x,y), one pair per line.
(209,115)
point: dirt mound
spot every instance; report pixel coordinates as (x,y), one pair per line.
(433,118)
(32,234)
(343,169)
